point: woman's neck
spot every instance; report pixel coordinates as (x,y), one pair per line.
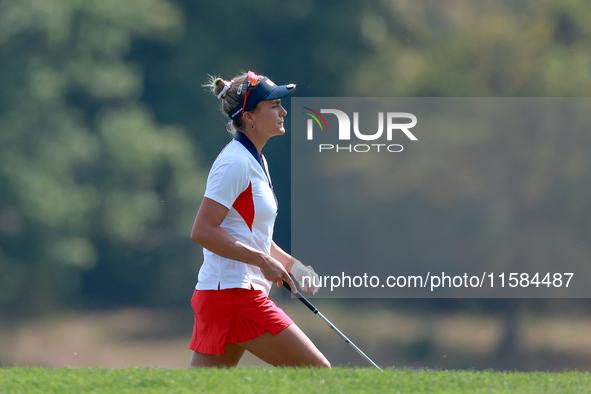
(257,140)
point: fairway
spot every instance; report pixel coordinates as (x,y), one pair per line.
(285,380)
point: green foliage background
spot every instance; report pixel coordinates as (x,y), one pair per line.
(106,134)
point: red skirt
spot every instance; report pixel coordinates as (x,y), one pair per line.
(232,316)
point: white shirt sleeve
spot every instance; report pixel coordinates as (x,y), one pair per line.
(227,179)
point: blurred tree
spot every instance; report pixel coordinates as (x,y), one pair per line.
(536,185)
(96,198)
(317,45)
(470,48)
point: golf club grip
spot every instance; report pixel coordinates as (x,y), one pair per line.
(301,297)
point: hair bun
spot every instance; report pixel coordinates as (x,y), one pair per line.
(218,85)
(221,87)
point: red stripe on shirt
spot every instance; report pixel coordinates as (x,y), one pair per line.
(244,205)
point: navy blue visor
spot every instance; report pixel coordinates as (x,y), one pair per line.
(259,89)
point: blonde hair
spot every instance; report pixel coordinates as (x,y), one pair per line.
(230,98)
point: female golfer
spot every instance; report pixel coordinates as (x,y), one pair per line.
(234,226)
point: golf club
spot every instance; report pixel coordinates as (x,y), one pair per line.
(317,312)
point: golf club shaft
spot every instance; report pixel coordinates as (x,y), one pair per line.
(317,312)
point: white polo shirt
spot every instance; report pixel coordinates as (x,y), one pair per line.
(238,182)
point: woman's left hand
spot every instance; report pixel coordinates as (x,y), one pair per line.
(306,277)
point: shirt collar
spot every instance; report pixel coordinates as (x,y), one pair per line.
(247,143)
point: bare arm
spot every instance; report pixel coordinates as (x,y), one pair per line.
(297,269)
(208,233)
(282,256)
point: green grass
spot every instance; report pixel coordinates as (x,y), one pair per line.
(280,380)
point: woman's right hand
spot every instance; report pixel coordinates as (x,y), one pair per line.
(274,271)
